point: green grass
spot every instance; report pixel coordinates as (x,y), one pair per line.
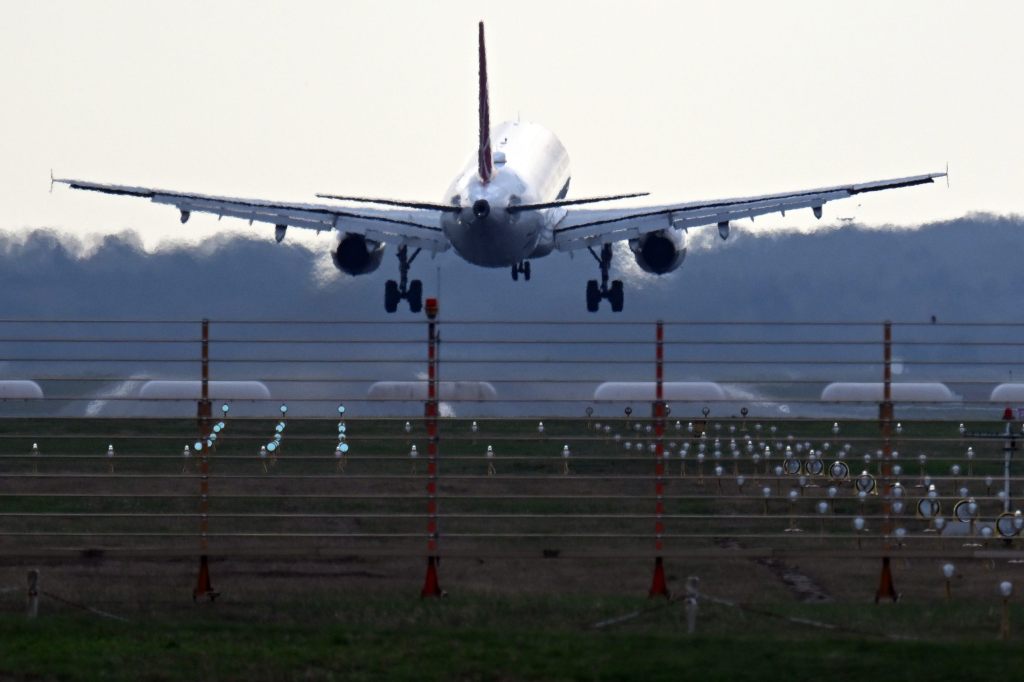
(481,638)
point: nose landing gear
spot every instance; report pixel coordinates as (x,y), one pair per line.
(596,292)
(404,289)
(521,268)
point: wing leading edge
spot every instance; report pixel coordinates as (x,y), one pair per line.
(583,228)
(408,225)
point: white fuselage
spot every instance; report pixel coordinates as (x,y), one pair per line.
(530,166)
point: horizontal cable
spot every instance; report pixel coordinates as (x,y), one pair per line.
(776,517)
(326,552)
(345,379)
(708,476)
(485,438)
(375,342)
(853,459)
(515,361)
(751,422)
(451,496)
(582,400)
(312,322)
(808,536)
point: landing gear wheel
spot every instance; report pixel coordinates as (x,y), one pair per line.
(391,296)
(615,296)
(593,296)
(415,296)
(595,291)
(521,268)
(410,291)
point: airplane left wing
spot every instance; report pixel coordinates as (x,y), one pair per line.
(583,228)
(407,226)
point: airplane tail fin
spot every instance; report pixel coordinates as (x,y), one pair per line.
(484,165)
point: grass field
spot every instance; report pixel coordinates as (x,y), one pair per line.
(337,603)
(512,638)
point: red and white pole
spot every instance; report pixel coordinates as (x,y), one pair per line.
(1009,445)
(204,587)
(431,585)
(886,585)
(659,585)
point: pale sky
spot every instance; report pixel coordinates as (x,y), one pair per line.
(280,100)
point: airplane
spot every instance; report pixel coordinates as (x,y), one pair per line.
(509,206)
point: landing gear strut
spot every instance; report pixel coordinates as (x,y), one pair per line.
(523,268)
(595,293)
(404,289)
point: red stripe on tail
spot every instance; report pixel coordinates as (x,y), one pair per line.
(484,150)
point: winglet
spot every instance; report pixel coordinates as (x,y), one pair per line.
(947,175)
(484,165)
(51,181)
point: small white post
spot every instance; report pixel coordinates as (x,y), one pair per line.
(33,594)
(691,602)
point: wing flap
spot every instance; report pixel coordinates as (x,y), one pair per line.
(583,228)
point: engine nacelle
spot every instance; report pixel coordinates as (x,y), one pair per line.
(659,252)
(357,255)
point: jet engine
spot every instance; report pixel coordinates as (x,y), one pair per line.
(659,252)
(357,255)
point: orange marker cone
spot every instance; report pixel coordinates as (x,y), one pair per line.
(204,588)
(431,586)
(659,586)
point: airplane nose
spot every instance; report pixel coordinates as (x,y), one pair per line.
(481,208)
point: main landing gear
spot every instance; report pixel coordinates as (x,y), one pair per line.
(521,268)
(404,289)
(595,293)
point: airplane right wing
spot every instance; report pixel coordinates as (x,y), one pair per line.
(583,228)
(414,227)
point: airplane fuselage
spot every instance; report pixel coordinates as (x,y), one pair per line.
(530,166)
(506,208)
